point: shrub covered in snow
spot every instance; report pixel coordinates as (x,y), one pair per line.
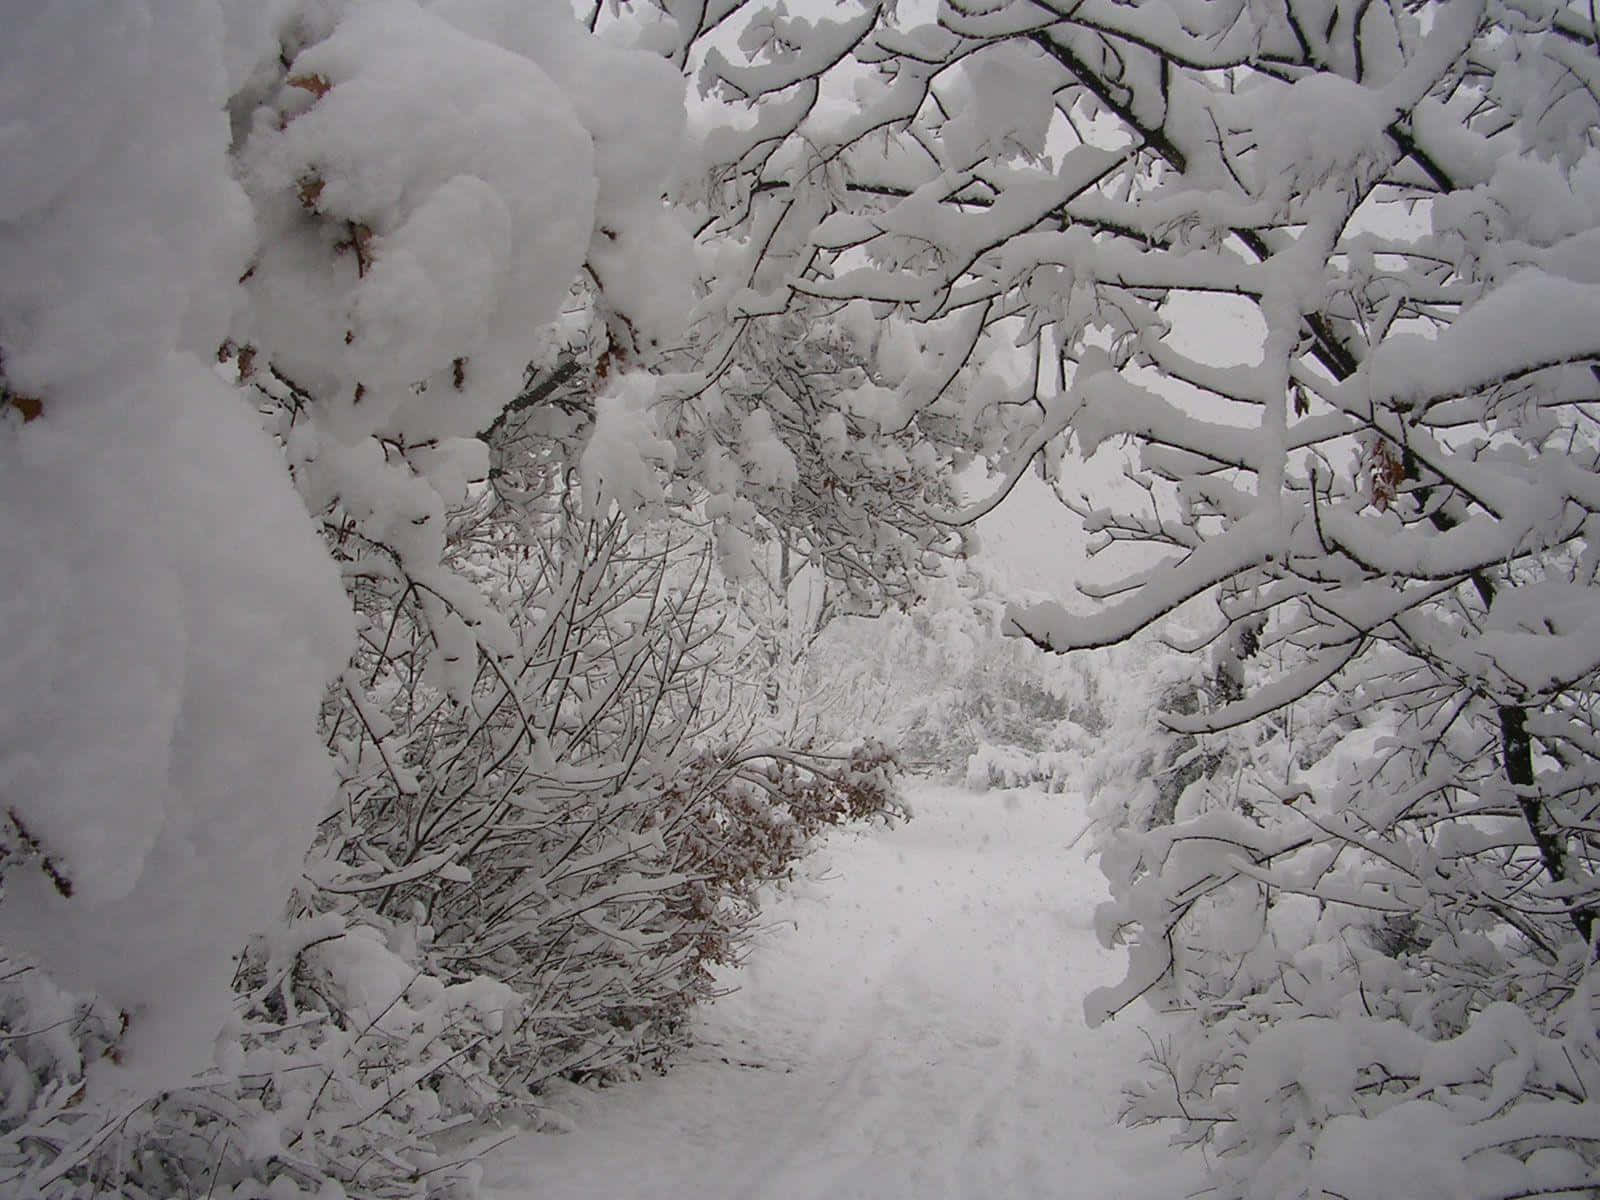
(1012,767)
(545,822)
(169,619)
(941,684)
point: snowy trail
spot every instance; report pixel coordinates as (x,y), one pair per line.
(915,1032)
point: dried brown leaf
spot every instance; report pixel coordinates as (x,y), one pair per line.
(310,191)
(317,85)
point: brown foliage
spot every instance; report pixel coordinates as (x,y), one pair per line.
(317,85)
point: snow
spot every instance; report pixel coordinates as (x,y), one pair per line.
(1413,1153)
(619,462)
(632,106)
(1003,104)
(383,222)
(909,1026)
(1492,341)
(469,245)
(381,203)
(189,608)
(1318,127)
(170,617)
(80,299)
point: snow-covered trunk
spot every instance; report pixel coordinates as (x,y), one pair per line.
(1516,752)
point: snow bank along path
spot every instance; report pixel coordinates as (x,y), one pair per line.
(913,1029)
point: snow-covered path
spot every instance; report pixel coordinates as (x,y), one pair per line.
(914,1032)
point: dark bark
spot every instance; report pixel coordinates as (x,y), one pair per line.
(1517,750)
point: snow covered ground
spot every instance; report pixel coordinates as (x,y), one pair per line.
(910,1027)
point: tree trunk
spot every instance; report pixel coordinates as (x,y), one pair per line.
(1516,748)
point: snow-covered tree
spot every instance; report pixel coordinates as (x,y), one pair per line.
(427,239)
(1380,475)
(407,260)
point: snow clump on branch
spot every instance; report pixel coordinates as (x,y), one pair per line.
(170,617)
(405,195)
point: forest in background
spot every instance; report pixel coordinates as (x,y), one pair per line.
(483,487)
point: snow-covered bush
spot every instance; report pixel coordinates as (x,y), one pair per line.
(795,418)
(346,1070)
(991,766)
(366,216)
(1364,972)
(940,683)
(170,620)
(528,879)
(1141,771)
(559,798)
